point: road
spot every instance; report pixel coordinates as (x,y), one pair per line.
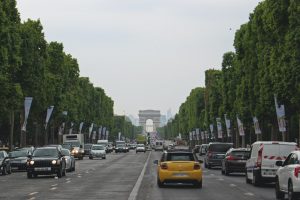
(119,177)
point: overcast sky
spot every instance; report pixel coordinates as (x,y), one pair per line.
(146,54)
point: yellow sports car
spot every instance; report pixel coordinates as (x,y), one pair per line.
(179,167)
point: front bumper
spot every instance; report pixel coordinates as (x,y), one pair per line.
(43,170)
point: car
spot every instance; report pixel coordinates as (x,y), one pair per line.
(67,146)
(87,149)
(46,161)
(5,167)
(132,146)
(235,160)
(159,145)
(203,149)
(120,148)
(140,148)
(260,167)
(18,159)
(196,149)
(287,176)
(179,167)
(97,151)
(216,153)
(70,160)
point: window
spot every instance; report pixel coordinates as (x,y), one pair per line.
(180,157)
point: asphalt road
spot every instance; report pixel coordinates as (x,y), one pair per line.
(125,176)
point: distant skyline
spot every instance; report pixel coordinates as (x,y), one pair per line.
(146,54)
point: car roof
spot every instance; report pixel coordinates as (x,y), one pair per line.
(47,147)
(274,142)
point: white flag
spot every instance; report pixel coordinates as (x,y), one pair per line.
(227,123)
(256,126)
(198,133)
(240,126)
(90,130)
(202,135)
(119,136)
(219,128)
(27,105)
(107,133)
(99,133)
(49,112)
(280,112)
(80,127)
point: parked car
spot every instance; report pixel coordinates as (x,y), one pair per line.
(140,148)
(235,160)
(87,149)
(70,160)
(288,176)
(46,161)
(18,159)
(179,167)
(216,153)
(5,167)
(203,149)
(97,151)
(260,167)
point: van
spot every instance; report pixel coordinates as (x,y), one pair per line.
(216,153)
(261,166)
(159,145)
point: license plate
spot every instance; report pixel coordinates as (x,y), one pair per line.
(42,169)
(180,174)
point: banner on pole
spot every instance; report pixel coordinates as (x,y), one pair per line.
(61,129)
(80,127)
(280,112)
(202,135)
(27,105)
(106,135)
(94,135)
(99,132)
(198,133)
(219,128)
(227,123)
(119,136)
(191,136)
(71,128)
(49,113)
(240,126)
(256,126)
(91,129)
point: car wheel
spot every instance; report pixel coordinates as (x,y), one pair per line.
(9,170)
(159,183)
(64,172)
(248,181)
(73,168)
(91,157)
(291,194)
(59,173)
(29,175)
(279,194)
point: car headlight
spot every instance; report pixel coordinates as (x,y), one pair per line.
(31,162)
(53,162)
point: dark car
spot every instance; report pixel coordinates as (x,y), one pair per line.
(235,160)
(46,161)
(5,167)
(18,159)
(87,149)
(216,153)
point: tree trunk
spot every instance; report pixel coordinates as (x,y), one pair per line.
(11,135)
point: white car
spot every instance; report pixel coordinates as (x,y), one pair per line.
(260,167)
(288,177)
(140,148)
(97,151)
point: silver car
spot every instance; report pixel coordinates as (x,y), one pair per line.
(70,160)
(97,151)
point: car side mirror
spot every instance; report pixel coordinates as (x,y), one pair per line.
(279,163)
(155,162)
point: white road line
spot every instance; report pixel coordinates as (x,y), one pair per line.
(68,179)
(78,176)
(54,185)
(220,179)
(212,174)
(32,193)
(32,198)
(54,188)
(249,194)
(138,183)
(68,182)
(232,185)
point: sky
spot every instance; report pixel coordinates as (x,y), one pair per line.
(145,54)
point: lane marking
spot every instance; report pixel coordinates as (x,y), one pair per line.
(32,193)
(54,185)
(68,182)
(32,198)
(212,174)
(68,179)
(79,176)
(54,188)
(138,183)
(232,185)
(249,194)
(220,179)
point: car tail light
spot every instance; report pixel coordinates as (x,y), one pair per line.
(296,171)
(164,166)
(209,154)
(230,158)
(259,157)
(196,166)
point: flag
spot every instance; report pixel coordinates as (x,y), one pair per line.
(49,112)
(227,123)
(99,132)
(280,112)
(119,136)
(103,132)
(219,128)
(256,126)
(191,136)
(80,127)
(211,127)
(106,135)
(240,126)
(61,128)
(90,130)
(71,128)
(198,133)
(27,105)
(202,135)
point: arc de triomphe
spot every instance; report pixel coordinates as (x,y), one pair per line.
(154,115)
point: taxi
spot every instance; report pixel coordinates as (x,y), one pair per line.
(179,167)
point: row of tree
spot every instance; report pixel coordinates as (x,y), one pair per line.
(32,67)
(266,62)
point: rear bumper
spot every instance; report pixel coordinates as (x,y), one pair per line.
(18,166)
(236,167)
(214,162)
(173,176)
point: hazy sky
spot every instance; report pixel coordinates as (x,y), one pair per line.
(146,54)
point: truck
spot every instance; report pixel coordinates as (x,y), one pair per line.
(105,144)
(121,147)
(77,144)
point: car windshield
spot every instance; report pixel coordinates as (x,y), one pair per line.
(241,154)
(140,145)
(15,154)
(120,145)
(65,152)
(45,153)
(97,147)
(73,144)
(180,157)
(219,147)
